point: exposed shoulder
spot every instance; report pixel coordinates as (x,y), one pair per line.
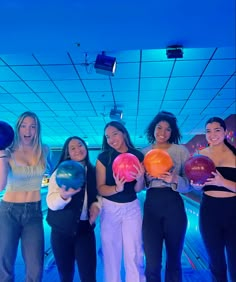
(204,152)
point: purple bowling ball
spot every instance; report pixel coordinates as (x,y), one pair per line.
(199,168)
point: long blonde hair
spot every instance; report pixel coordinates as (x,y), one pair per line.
(39,150)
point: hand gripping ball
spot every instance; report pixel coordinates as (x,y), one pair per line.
(123,165)
(157,162)
(70,174)
(198,168)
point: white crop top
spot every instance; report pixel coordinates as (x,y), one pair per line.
(23,177)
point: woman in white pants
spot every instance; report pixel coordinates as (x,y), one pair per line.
(121,219)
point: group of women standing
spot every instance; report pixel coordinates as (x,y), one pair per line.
(125,232)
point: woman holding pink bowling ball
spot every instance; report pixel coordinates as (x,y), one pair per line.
(121,219)
(217,216)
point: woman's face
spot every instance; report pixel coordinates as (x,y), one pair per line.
(77,150)
(115,138)
(27,131)
(162,132)
(215,133)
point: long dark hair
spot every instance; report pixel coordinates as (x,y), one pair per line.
(120,127)
(171,119)
(223,125)
(65,152)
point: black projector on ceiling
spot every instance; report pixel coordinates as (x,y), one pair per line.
(116,114)
(174,52)
(105,65)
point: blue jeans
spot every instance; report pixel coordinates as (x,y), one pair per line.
(21,221)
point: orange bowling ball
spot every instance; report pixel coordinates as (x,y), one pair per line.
(157,161)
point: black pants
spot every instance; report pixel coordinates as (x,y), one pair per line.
(218,229)
(164,220)
(80,249)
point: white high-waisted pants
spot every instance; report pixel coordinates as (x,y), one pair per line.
(121,231)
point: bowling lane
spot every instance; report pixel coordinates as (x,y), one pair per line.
(194,254)
(193,258)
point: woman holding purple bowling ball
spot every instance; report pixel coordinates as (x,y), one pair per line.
(218,206)
(72,214)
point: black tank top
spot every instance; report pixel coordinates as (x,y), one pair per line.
(228,173)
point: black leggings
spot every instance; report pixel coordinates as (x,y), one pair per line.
(218,229)
(164,220)
(80,248)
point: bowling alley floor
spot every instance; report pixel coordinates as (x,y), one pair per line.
(190,274)
(194,261)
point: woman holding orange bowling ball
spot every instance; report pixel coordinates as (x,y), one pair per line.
(217,217)
(164,218)
(121,220)
(72,214)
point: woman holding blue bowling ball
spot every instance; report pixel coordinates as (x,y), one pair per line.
(22,166)
(217,216)
(72,213)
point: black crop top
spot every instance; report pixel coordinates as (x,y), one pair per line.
(228,173)
(128,194)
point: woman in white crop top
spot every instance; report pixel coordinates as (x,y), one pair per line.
(22,167)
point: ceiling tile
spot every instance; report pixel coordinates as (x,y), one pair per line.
(182,82)
(208,82)
(221,67)
(153,84)
(6,74)
(30,72)
(65,72)
(156,69)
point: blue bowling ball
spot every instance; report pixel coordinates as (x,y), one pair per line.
(70,174)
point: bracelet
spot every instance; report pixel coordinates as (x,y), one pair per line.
(3,156)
